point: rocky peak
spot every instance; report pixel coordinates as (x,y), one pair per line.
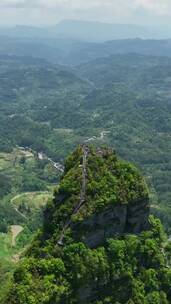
(99,197)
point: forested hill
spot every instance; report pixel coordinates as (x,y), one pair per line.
(97,244)
(37,98)
(123,100)
(137,106)
(136,71)
(47,109)
(72,52)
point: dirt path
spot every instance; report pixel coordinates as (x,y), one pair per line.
(15,230)
(15,258)
(101,137)
(156,207)
(82,195)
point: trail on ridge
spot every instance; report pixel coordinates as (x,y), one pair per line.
(82,194)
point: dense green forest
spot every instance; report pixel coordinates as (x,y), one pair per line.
(95,247)
(58,93)
(123,100)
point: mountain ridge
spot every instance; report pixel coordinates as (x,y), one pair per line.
(92,31)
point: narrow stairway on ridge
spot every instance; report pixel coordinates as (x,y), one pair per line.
(82,193)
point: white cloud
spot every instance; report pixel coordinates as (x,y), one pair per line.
(12,3)
(158,7)
(69,4)
(153,5)
(51,11)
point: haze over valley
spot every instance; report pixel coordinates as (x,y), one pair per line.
(85,111)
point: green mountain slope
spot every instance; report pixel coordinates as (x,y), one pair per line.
(133,70)
(26,177)
(132,103)
(35,100)
(96,245)
(123,100)
(73,52)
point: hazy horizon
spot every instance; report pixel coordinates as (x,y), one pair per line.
(51,12)
(12,25)
(153,25)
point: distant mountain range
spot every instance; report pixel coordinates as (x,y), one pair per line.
(70,52)
(89,31)
(96,31)
(75,42)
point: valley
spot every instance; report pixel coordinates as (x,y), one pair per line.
(57,94)
(21,208)
(55,109)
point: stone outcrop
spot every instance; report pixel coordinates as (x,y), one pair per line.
(121,219)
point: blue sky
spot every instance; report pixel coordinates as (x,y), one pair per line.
(41,12)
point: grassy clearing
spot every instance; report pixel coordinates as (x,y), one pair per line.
(8,243)
(20,207)
(5,161)
(9,159)
(31,199)
(15,231)
(6,248)
(8,259)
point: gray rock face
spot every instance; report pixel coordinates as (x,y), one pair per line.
(118,219)
(137,216)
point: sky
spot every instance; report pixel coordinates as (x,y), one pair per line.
(46,12)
